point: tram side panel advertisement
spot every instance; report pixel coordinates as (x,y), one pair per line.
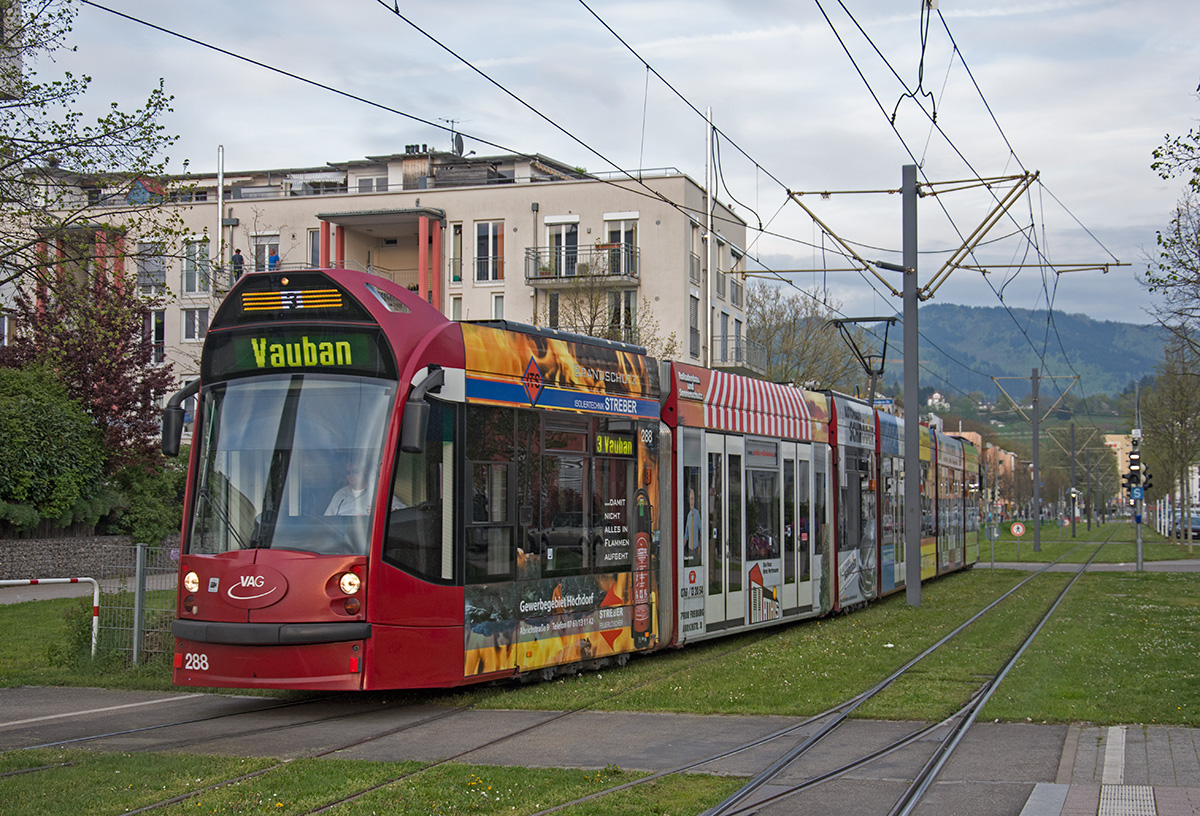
(763,413)
(601,601)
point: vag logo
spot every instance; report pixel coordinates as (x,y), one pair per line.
(251,590)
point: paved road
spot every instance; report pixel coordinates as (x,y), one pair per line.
(1000,769)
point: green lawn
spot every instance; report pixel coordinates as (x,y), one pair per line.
(1121,649)
(79,781)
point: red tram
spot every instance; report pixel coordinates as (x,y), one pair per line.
(379,497)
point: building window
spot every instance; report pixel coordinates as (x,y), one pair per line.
(456,308)
(195,324)
(196,270)
(489,250)
(738,352)
(373,185)
(4,333)
(314,248)
(694,326)
(266,247)
(154,330)
(737,266)
(563,243)
(498,307)
(152,268)
(720,269)
(456,253)
(694,256)
(552,310)
(621,315)
(724,347)
(623,247)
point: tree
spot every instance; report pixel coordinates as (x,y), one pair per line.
(1170,422)
(801,346)
(590,303)
(1176,272)
(51,462)
(91,334)
(57,172)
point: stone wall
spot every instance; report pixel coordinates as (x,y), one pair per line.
(85,557)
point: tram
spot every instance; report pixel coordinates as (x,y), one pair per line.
(379,497)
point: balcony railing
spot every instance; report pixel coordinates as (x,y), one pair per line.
(619,263)
(730,351)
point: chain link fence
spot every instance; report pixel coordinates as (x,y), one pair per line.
(137,599)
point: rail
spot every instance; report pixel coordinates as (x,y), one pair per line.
(95,596)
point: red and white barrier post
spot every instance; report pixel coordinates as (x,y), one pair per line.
(95,597)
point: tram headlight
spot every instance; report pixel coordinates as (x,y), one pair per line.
(349,583)
(191,582)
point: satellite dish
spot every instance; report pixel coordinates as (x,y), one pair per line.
(458,144)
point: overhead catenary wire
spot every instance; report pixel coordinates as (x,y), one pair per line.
(759,167)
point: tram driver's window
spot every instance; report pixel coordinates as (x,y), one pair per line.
(415,512)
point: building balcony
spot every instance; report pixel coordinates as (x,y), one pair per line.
(738,355)
(606,264)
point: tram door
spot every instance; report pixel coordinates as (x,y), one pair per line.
(724,504)
(797,526)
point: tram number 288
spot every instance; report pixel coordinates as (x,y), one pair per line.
(193,661)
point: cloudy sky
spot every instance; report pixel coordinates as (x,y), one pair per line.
(810,95)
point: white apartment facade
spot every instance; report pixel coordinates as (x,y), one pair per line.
(499,237)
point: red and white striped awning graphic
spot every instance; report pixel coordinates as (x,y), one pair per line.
(750,406)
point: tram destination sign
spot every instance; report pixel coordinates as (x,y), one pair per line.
(311,348)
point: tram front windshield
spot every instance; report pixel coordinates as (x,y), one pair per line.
(289,462)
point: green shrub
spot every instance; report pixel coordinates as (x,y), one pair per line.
(151,506)
(51,462)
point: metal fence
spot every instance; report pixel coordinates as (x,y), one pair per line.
(137,600)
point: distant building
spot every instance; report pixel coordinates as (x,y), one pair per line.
(480,237)
(937,401)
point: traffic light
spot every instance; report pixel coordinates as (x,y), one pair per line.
(1127,482)
(1146,483)
(1135,464)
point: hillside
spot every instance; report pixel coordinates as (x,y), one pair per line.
(968,345)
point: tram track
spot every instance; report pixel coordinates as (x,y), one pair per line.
(956,725)
(832,718)
(827,722)
(349,744)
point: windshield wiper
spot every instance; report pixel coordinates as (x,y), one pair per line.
(206,497)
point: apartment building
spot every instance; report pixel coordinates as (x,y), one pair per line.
(516,237)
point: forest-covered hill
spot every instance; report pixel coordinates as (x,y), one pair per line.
(968,345)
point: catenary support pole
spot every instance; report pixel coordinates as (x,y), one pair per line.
(1074,492)
(912,406)
(1036,521)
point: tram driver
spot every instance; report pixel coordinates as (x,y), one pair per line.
(355,498)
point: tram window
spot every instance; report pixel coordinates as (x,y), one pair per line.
(566,533)
(528,458)
(489,433)
(734,541)
(715,575)
(762,515)
(802,515)
(789,521)
(489,554)
(564,439)
(419,518)
(612,507)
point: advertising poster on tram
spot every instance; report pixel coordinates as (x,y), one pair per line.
(534,624)
(584,578)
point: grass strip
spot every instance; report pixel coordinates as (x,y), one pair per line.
(114,783)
